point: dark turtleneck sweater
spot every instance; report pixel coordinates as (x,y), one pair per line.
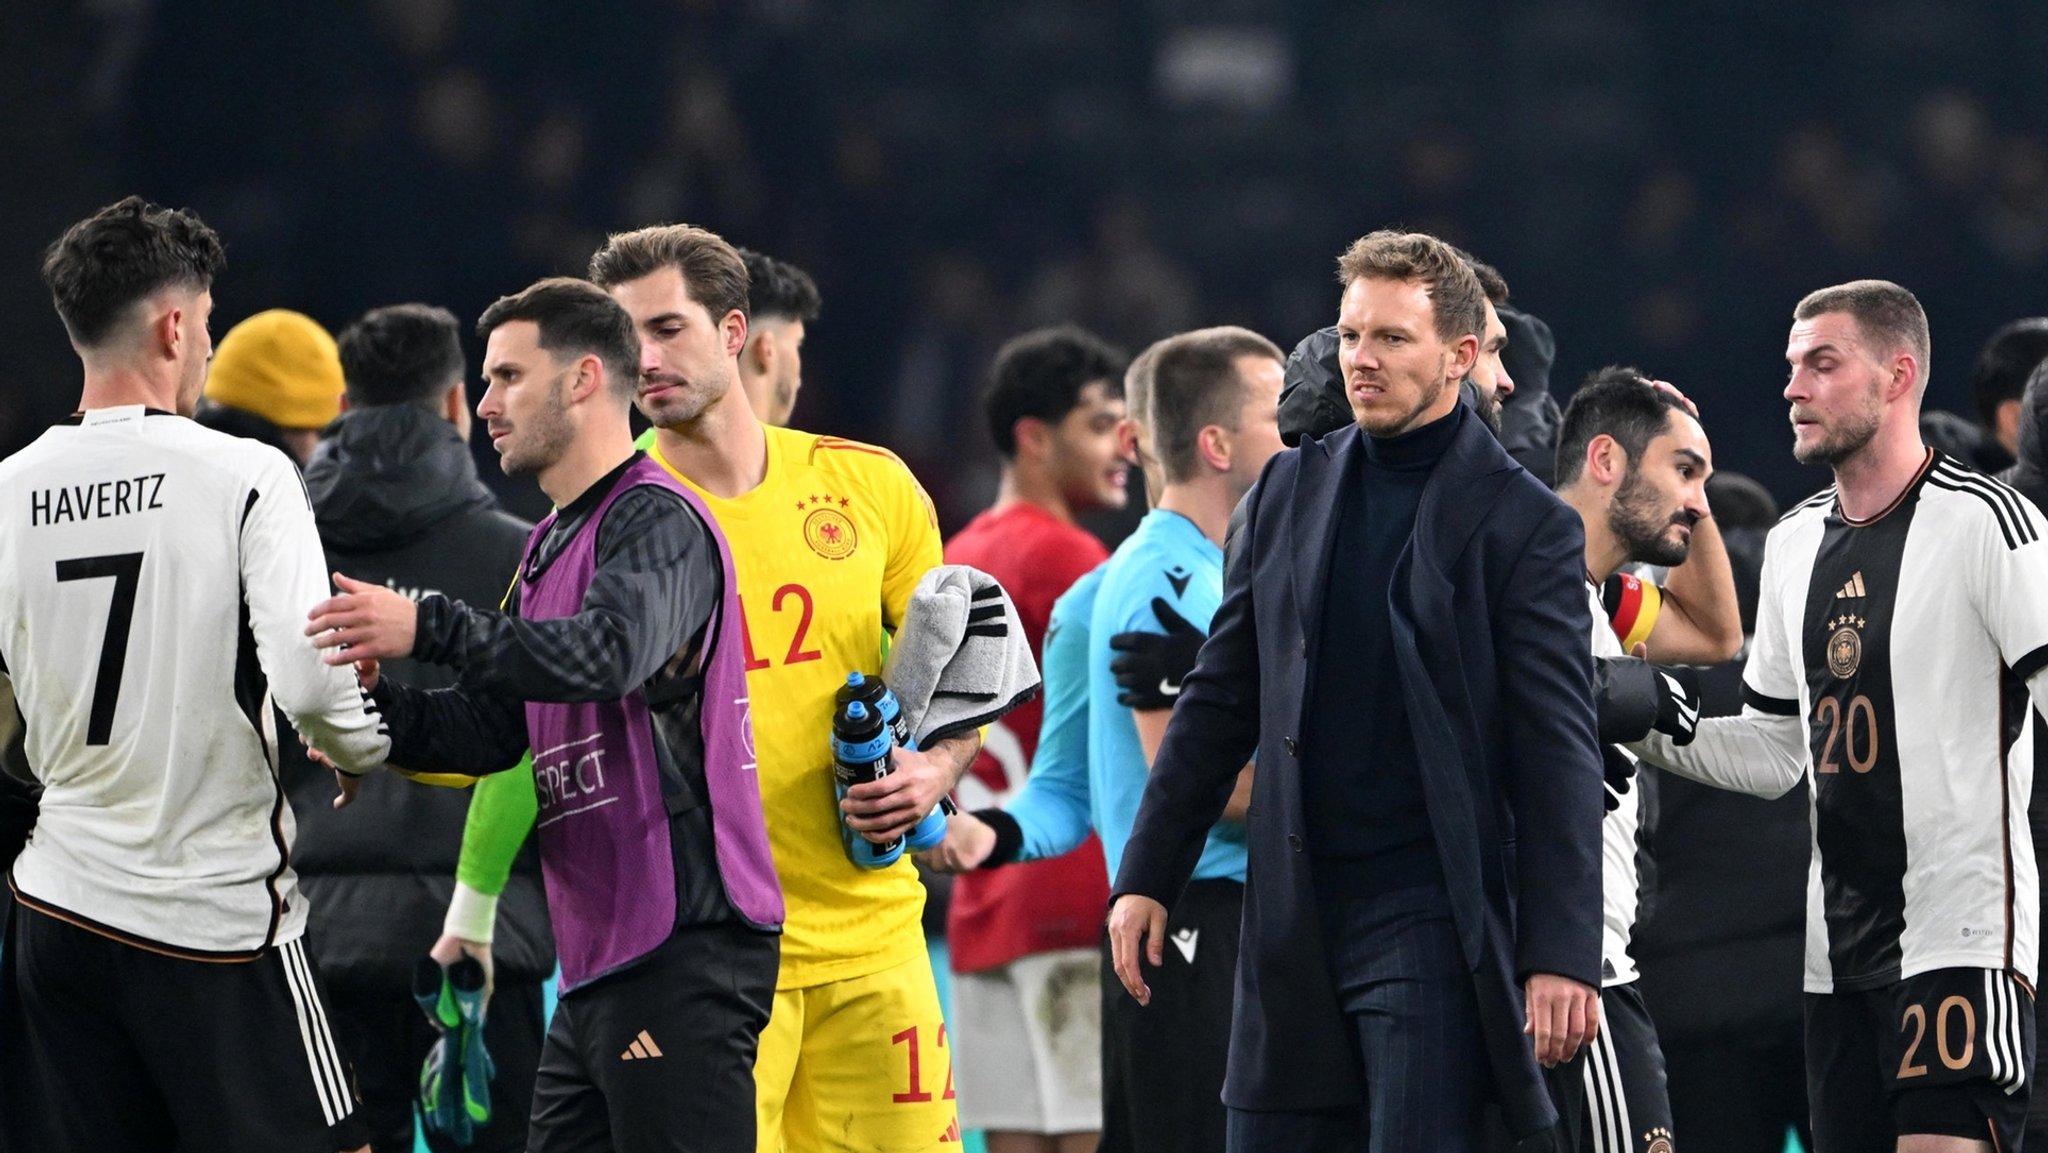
(1361,773)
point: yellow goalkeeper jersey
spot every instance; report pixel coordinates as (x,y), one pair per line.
(827,548)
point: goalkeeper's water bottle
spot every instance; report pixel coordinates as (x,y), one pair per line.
(875,696)
(861,747)
(874,693)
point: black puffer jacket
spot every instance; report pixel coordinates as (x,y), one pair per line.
(398,502)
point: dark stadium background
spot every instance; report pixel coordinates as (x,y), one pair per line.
(1660,182)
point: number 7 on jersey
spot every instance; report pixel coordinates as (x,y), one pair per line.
(126,569)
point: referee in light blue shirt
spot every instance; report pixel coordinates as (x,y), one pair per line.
(1208,414)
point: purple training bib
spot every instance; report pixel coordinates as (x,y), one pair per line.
(604,823)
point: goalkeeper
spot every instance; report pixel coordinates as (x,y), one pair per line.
(619,661)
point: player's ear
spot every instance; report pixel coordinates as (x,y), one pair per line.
(760,353)
(1905,376)
(1605,461)
(734,328)
(1033,436)
(589,377)
(167,333)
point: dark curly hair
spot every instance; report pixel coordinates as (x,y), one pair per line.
(121,254)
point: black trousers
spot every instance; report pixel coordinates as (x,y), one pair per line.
(1403,984)
(659,1057)
(107,1047)
(386,1037)
(1162,1064)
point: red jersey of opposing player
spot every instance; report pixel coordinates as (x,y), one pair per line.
(1037,907)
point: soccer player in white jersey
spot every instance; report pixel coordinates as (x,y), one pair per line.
(1632,461)
(154,576)
(1901,621)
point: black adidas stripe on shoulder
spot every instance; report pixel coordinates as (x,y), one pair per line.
(2013,522)
(1823,497)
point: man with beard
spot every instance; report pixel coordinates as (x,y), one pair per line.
(398,501)
(619,659)
(1314,403)
(1633,462)
(1900,622)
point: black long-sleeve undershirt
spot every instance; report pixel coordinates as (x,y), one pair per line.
(656,582)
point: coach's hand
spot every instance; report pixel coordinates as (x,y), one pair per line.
(370,620)
(969,841)
(885,809)
(1136,921)
(1563,1015)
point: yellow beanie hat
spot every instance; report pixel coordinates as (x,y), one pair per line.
(280,365)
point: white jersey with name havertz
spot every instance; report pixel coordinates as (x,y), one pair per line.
(1890,659)
(155,577)
(1620,878)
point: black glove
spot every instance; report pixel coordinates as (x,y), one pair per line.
(1619,769)
(1678,702)
(1150,666)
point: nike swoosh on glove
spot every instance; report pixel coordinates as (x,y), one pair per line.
(1678,703)
(1149,667)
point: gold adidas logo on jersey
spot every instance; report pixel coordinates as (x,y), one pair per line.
(1854,588)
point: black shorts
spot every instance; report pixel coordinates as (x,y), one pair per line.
(660,1056)
(1628,1107)
(1950,1052)
(1162,1064)
(118,1048)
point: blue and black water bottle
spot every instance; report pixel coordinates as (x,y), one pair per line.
(860,751)
(861,747)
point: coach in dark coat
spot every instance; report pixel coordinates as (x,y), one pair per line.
(1489,621)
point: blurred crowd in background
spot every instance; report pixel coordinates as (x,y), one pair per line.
(1659,182)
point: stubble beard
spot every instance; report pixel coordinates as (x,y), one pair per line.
(550,433)
(1643,529)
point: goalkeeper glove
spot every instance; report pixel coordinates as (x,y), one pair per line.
(455,1080)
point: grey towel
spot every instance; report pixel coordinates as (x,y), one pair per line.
(961,658)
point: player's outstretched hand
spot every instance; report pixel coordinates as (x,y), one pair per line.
(885,809)
(367,621)
(1136,922)
(1563,1015)
(347,785)
(969,841)
(1149,667)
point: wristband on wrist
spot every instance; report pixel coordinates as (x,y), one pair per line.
(472,915)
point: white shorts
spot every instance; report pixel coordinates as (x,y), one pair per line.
(1027,1044)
